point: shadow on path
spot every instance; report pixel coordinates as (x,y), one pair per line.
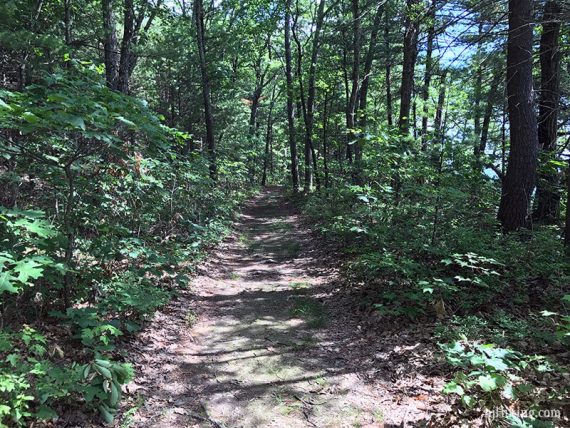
(265,350)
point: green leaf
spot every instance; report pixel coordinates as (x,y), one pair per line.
(3,105)
(106,415)
(508,391)
(497,364)
(13,359)
(6,283)
(126,121)
(45,412)
(28,268)
(40,227)
(453,388)
(468,401)
(490,383)
(77,122)
(30,117)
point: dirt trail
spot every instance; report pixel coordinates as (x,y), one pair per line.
(254,343)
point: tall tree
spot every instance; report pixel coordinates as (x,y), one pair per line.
(438,121)
(409,63)
(519,180)
(354,79)
(491,100)
(120,61)
(311,95)
(478,90)
(388,59)
(290,98)
(208,113)
(269,135)
(367,72)
(110,45)
(547,191)
(428,71)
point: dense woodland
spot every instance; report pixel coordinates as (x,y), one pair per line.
(428,138)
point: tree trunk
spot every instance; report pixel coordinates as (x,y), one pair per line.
(268,137)
(368,66)
(67,21)
(351,105)
(126,42)
(491,97)
(311,95)
(208,115)
(567,228)
(519,180)
(325,142)
(428,72)
(478,94)
(290,100)
(548,185)
(110,45)
(410,53)
(253,130)
(302,106)
(389,108)
(439,109)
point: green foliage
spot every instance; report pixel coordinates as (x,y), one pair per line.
(131,294)
(423,244)
(102,388)
(30,380)
(562,321)
(113,220)
(495,378)
(27,239)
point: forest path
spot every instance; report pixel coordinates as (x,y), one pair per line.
(262,349)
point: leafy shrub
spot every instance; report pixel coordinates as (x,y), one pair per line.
(27,237)
(491,377)
(130,293)
(32,381)
(102,388)
(29,380)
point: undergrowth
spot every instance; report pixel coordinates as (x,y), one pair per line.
(498,302)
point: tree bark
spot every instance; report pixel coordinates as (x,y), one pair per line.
(363,99)
(325,141)
(519,180)
(290,100)
(478,93)
(302,105)
(67,16)
(428,72)
(548,185)
(311,93)
(111,45)
(354,77)
(410,53)
(389,107)
(567,228)
(491,97)
(439,109)
(260,84)
(126,42)
(268,137)
(208,114)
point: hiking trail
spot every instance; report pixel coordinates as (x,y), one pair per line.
(253,343)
